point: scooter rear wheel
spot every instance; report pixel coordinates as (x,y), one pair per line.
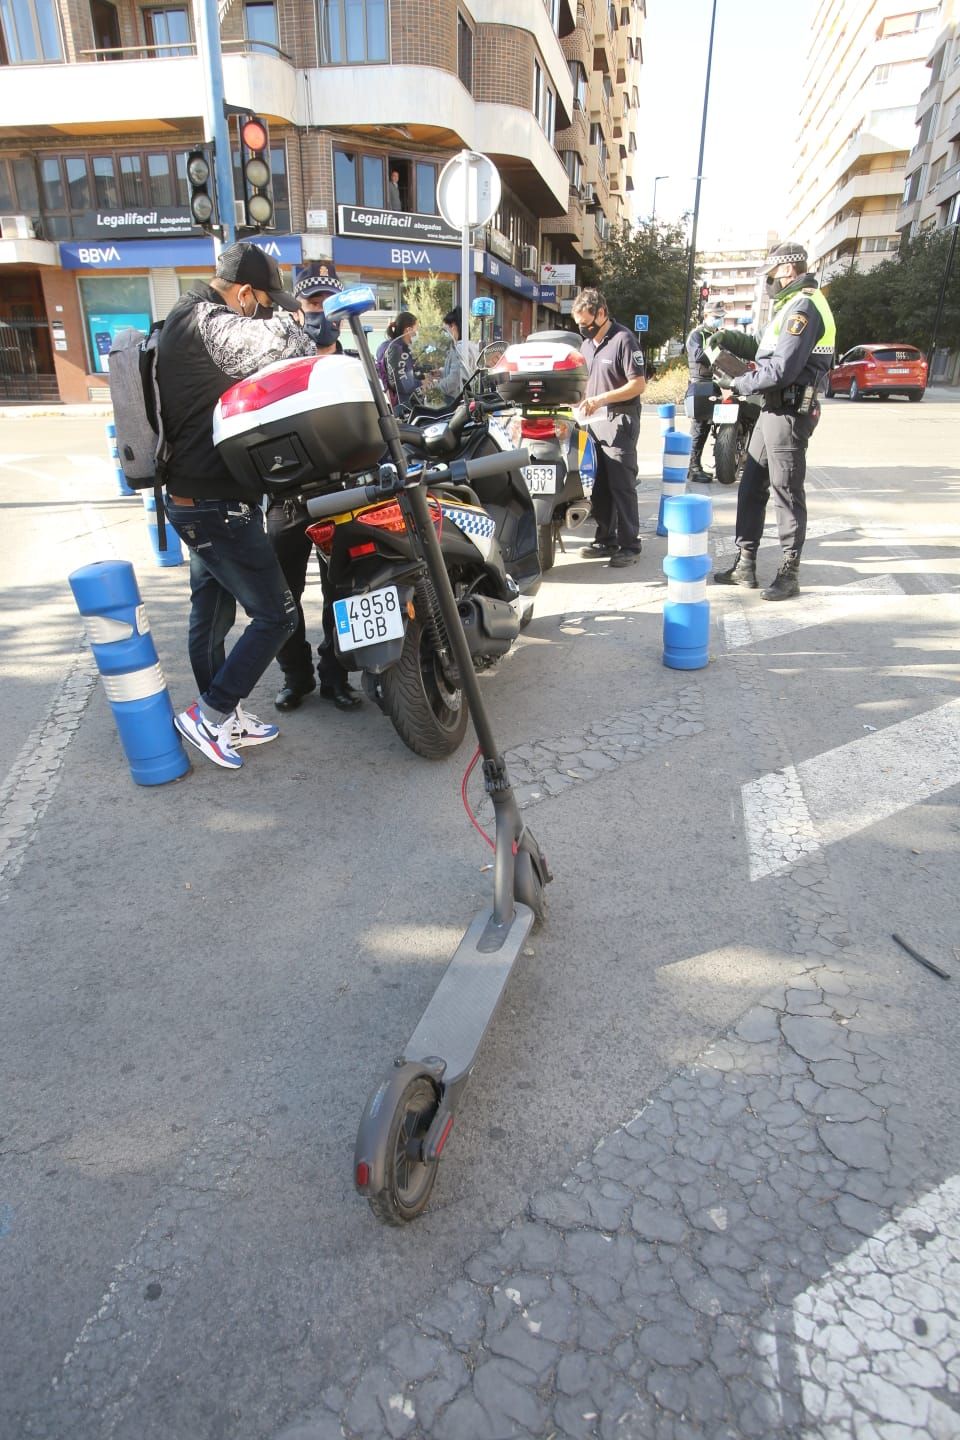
(547,545)
(427,712)
(408,1179)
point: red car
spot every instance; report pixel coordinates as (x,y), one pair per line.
(882,370)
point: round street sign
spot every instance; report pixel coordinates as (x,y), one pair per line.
(468,190)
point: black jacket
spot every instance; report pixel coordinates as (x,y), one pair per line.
(205,347)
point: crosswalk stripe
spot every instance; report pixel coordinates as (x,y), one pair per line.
(795,811)
(750,626)
(816,530)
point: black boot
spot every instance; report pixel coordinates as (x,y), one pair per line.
(744,572)
(786,584)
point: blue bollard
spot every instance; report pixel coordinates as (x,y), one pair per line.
(686,611)
(108,598)
(173,555)
(122,487)
(668,415)
(676,463)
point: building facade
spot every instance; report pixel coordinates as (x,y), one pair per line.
(733,270)
(101,102)
(865,73)
(931,192)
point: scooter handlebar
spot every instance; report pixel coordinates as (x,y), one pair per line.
(486,465)
(335,503)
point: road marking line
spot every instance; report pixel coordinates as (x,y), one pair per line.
(796,811)
(816,530)
(750,627)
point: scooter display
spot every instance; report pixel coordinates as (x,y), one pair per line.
(388,624)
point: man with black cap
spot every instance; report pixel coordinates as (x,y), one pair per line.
(794,355)
(215,335)
(287,522)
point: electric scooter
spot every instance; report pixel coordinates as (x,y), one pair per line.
(409,1117)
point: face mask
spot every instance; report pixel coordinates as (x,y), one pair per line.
(589,331)
(772,286)
(263,312)
(322,331)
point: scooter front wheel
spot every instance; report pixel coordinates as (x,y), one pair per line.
(408,1179)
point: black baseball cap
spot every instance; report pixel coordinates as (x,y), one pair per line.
(246,264)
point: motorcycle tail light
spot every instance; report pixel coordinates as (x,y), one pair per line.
(357,552)
(321,533)
(540,428)
(289,377)
(390,517)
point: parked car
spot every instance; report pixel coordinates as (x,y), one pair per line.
(882,370)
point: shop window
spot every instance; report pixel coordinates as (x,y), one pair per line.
(353,32)
(29,32)
(168,31)
(260,17)
(426,182)
(111,304)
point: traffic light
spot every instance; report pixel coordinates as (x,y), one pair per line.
(255,172)
(704,292)
(200,181)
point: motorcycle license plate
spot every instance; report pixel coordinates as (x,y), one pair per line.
(368,619)
(541,479)
(725,414)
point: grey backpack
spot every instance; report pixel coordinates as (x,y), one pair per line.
(134,394)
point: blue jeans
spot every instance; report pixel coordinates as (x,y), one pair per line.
(231,560)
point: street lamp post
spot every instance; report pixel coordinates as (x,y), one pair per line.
(696,202)
(656,182)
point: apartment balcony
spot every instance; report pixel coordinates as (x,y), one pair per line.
(604,55)
(906,214)
(948,185)
(569,226)
(862,187)
(859,227)
(917,157)
(150,94)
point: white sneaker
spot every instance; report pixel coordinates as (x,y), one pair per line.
(215,741)
(248,729)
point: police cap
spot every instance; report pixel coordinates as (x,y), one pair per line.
(789,253)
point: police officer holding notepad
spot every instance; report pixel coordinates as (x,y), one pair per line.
(616,380)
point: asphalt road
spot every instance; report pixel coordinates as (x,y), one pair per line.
(202,982)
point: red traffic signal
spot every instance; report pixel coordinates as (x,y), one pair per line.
(704,292)
(255,171)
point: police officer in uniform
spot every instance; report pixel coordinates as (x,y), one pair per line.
(794,355)
(616,380)
(700,371)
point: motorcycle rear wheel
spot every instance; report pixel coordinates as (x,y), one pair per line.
(427,713)
(729,453)
(547,545)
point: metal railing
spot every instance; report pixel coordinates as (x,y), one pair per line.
(180,49)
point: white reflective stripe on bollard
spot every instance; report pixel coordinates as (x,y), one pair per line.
(103,631)
(138,685)
(688,544)
(674,487)
(686,592)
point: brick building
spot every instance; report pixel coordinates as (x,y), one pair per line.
(100,103)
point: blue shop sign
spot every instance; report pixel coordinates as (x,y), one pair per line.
(396,255)
(157,254)
(503,274)
(548,294)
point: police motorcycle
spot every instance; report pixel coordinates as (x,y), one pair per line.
(543,379)
(733,417)
(310,427)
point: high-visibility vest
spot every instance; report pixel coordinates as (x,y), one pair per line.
(828,340)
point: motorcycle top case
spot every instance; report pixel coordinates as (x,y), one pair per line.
(541,374)
(298,421)
(699,401)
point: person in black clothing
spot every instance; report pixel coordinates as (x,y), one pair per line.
(404,375)
(287,522)
(616,380)
(215,335)
(701,374)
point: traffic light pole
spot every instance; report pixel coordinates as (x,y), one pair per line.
(215,121)
(696,202)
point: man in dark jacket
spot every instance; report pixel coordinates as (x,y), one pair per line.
(701,376)
(215,335)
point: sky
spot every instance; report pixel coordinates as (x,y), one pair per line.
(759,50)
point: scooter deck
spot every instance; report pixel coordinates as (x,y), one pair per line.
(463,1004)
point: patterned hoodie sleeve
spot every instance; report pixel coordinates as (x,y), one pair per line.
(239,345)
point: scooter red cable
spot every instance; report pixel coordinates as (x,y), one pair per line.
(466,803)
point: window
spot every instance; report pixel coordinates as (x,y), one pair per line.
(160,185)
(110,304)
(345,185)
(881,74)
(260,17)
(464,52)
(168,31)
(579,77)
(537,88)
(106,193)
(353,31)
(373,188)
(29,32)
(132,190)
(553,10)
(597,140)
(359,179)
(574,168)
(426,182)
(544,101)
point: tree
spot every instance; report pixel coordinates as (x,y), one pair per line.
(643,271)
(898,299)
